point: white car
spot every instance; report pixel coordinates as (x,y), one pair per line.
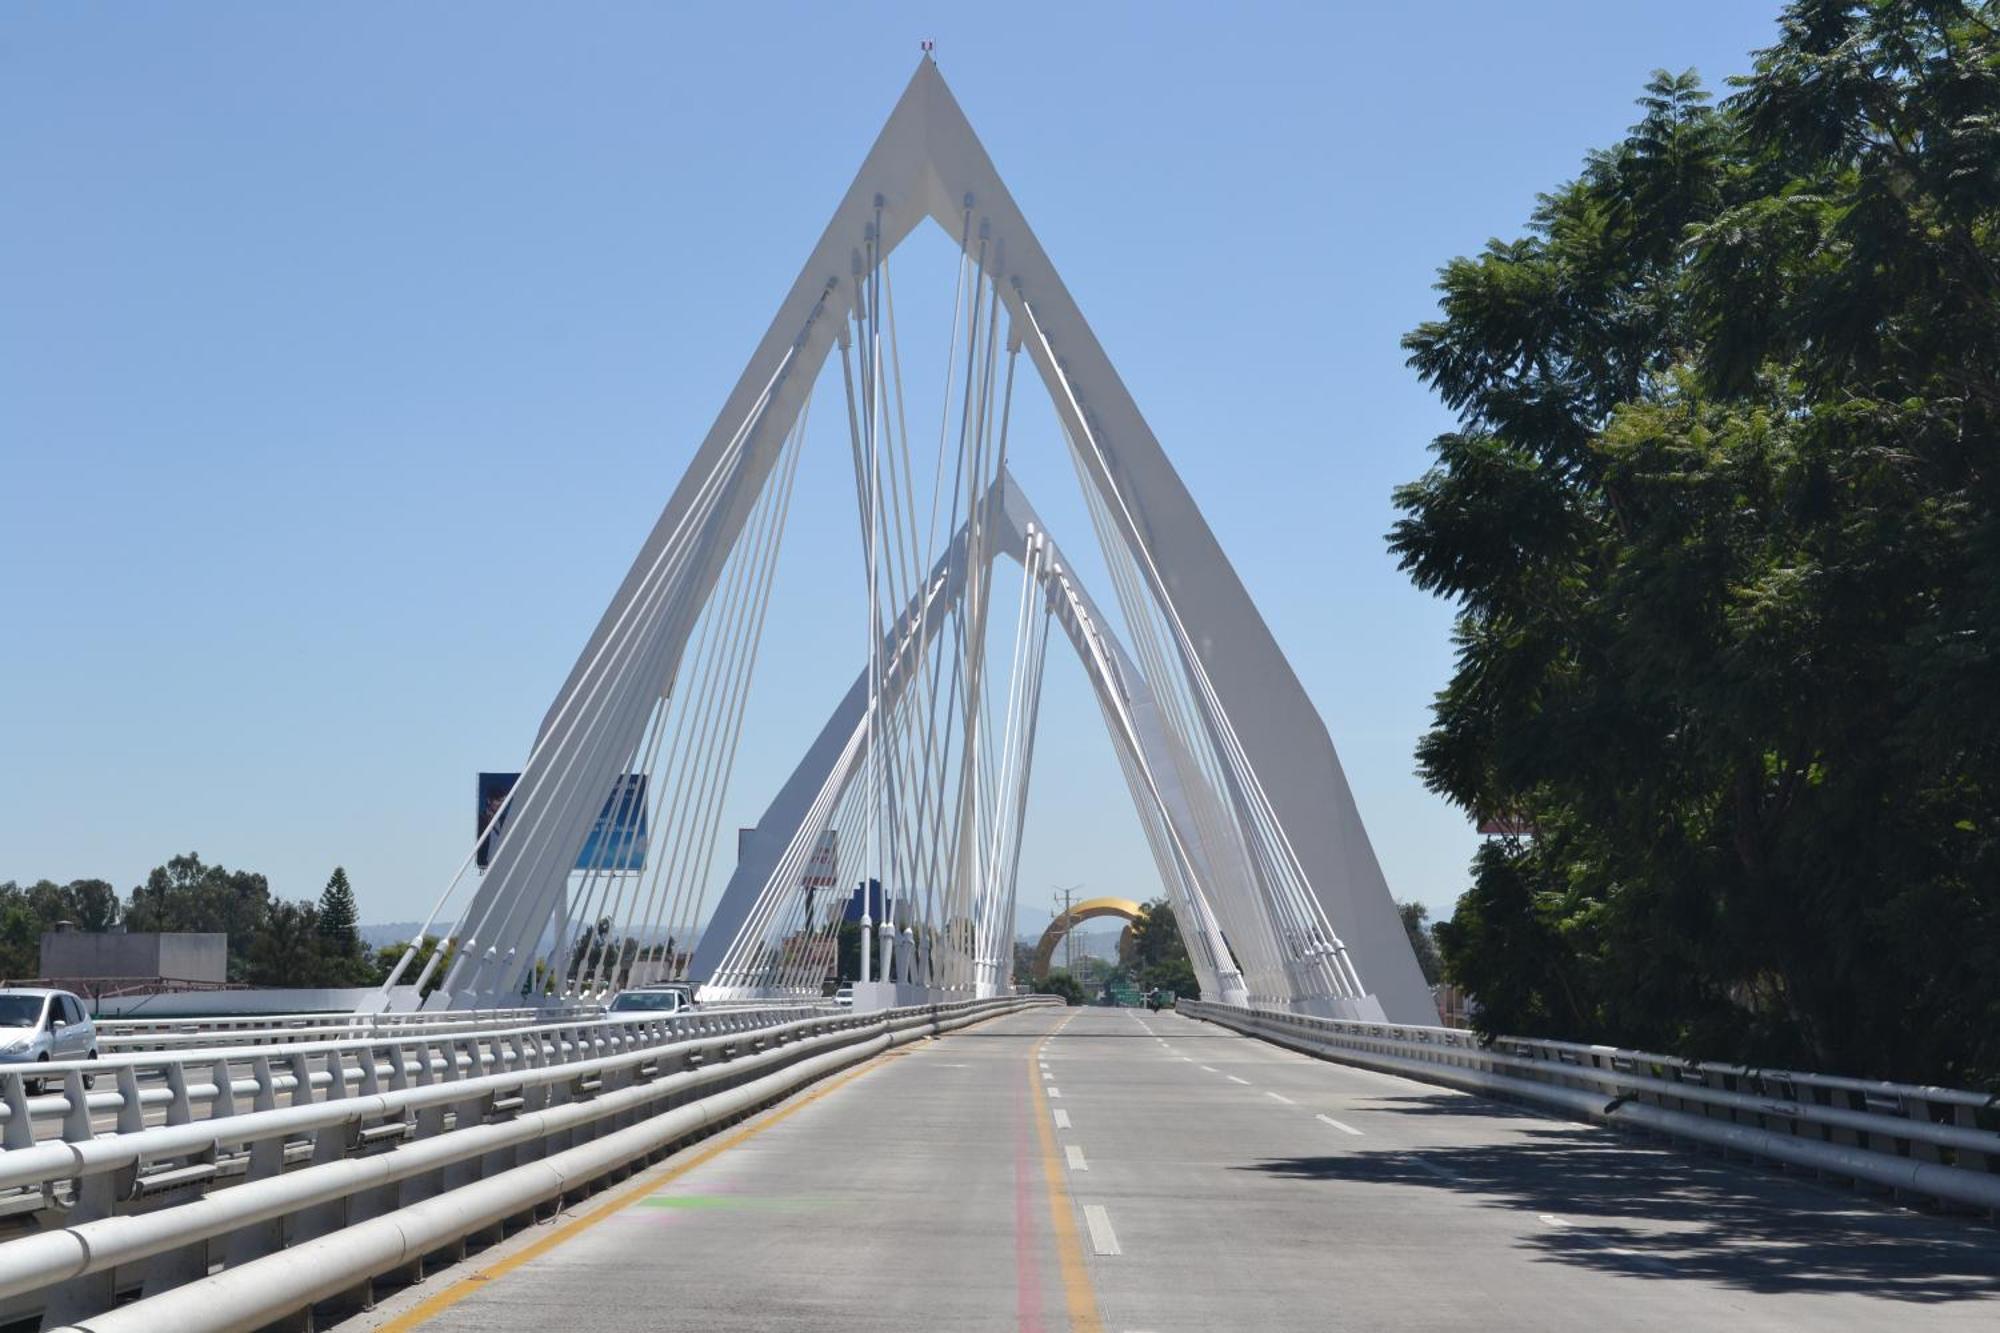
(667,999)
(844,997)
(37,1026)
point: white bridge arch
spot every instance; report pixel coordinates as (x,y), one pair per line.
(1243,801)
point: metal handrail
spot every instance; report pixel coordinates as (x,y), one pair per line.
(129,1031)
(349,1101)
(364,1173)
(182,1080)
(1921,1139)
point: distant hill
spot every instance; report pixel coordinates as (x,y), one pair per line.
(389,932)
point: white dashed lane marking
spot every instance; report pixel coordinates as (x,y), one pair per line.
(1281,1097)
(1102,1238)
(1342,1126)
(1075,1155)
(1062,1118)
(1233,1079)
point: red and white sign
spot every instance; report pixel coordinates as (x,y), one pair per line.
(823,867)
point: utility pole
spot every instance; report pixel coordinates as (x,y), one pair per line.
(1066,897)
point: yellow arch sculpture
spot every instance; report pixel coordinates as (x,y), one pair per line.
(1087,910)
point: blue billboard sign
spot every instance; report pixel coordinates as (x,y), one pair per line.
(617,840)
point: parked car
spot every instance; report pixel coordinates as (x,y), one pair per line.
(37,1026)
(666,999)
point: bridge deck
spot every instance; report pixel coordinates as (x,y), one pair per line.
(1222,1183)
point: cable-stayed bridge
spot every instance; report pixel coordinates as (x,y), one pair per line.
(918,782)
(481,1145)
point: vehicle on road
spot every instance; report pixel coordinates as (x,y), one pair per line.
(671,998)
(1158,999)
(37,1026)
(844,997)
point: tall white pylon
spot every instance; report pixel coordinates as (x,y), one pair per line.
(1240,793)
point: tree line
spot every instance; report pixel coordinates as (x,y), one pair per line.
(1719,522)
(272,941)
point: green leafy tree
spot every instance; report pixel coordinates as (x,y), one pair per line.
(339,918)
(345,960)
(389,955)
(186,894)
(1059,982)
(20,934)
(93,904)
(1156,935)
(27,914)
(847,951)
(1416,924)
(272,942)
(290,948)
(596,954)
(1719,522)
(1159,953)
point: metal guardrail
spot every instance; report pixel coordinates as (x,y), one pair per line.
(310,1170)
(318,1018)
(1936,1143)
(143,1034)
(218,1078)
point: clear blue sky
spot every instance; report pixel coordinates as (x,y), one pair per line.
(348,351)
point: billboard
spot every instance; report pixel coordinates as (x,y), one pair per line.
(820,871)
(617,840)
(822,868)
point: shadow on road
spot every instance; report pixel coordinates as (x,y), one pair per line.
(1744,1227)
(1453,1104)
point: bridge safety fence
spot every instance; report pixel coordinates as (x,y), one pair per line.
(153,1034)
(231,1187)
(1938,1144)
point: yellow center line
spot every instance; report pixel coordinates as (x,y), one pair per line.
(1078,1295)
(650,1184)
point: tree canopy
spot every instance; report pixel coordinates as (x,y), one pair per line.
(339,918)
(1416,925)
(188,894)
(1159,954)
(1058,982)
(25,913)
(272,942)
(1719,522)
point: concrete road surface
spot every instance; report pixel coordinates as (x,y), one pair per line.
(1098,1169)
